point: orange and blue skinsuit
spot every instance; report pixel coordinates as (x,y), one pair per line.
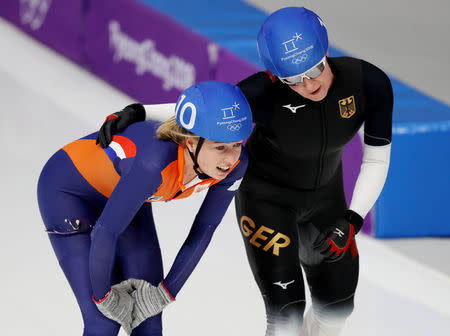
(96,206)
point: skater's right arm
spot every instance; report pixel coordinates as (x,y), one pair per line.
(254,87)
(132,190)
(131,114)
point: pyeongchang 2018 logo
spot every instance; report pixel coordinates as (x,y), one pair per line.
(228,115)
(174,71)
(34,12)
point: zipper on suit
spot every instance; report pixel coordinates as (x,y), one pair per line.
(324,144)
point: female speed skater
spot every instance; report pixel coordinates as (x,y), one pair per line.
(291,206)
(96,204)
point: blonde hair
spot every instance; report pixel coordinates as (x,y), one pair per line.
(170,130)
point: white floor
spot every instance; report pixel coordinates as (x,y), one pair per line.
(47,102)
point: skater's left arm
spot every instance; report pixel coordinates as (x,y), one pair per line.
(208,218)
(337,239)
(377,140)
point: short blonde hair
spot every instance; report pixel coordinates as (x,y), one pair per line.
(170,130)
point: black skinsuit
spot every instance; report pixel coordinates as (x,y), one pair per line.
(293,187)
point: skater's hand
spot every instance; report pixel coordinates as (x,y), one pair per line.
(149,300)
(118,121)
(118,305)
(335,241)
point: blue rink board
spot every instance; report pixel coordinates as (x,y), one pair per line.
(415,198)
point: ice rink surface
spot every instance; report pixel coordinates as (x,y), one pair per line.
(47,102)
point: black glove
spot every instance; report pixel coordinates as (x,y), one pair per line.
(334,242)
(118,121)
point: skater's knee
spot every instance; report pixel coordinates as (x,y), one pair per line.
(100,329)
(150,327)
(279,307)
(295,308)
(96,324)
(285,319)
(339,309)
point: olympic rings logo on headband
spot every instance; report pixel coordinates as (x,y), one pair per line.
(190,105)
(300,59)
(235,127)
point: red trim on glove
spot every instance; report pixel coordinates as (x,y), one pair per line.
(271,76)
(101,300)
(111,116)
(353,248)
(173,299)
(340,250)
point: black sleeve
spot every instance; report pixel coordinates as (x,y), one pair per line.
(379,104)
(256,89)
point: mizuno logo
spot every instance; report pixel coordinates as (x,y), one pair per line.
(293,108)
(283,285)
(338,232)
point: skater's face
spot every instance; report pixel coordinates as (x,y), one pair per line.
(216,158)
(315,89)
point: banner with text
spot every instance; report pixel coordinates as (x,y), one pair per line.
(145,53)
(58,24)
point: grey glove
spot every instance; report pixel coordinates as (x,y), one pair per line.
(149,300)
(118,305)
